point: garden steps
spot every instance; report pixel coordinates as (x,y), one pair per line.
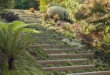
(71,55)
(35,46)
(61,61)
(60,50)
(93,73)
(64,68)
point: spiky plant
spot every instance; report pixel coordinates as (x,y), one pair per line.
(13,40)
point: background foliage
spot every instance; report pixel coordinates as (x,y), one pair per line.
(26,4)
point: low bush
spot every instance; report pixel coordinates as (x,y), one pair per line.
(9,16)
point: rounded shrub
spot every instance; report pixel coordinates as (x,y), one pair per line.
(52,4)
(56,10)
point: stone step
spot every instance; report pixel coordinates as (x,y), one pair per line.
(34,46)
(60,50)
(93,73)
(64,68)
(47,41)
(61,61)
(70,55)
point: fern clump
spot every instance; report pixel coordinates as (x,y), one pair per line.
(56,18)
(56,10)
(52,4)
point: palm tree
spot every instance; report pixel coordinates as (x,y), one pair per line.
(13,40)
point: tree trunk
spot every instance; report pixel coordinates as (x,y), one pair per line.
(11,63)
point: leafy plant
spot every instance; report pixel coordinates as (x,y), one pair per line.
(13,40)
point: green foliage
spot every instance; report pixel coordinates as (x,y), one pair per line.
(52,4)
(56,10)
(26,4)
(6,4)
(72,6)
(13,40)
(44,3)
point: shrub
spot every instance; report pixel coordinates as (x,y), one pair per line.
(52,4)
(52,11)
(96,12)
(32,10)
(9,16)
(56,18)
(46,16)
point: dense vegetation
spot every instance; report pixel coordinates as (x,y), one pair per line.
(26,4)
(88,24)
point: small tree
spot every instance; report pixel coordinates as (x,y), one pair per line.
(13,40)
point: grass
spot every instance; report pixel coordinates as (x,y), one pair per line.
(25,65)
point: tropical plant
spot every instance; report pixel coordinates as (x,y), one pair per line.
(54,10)
(13,40)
